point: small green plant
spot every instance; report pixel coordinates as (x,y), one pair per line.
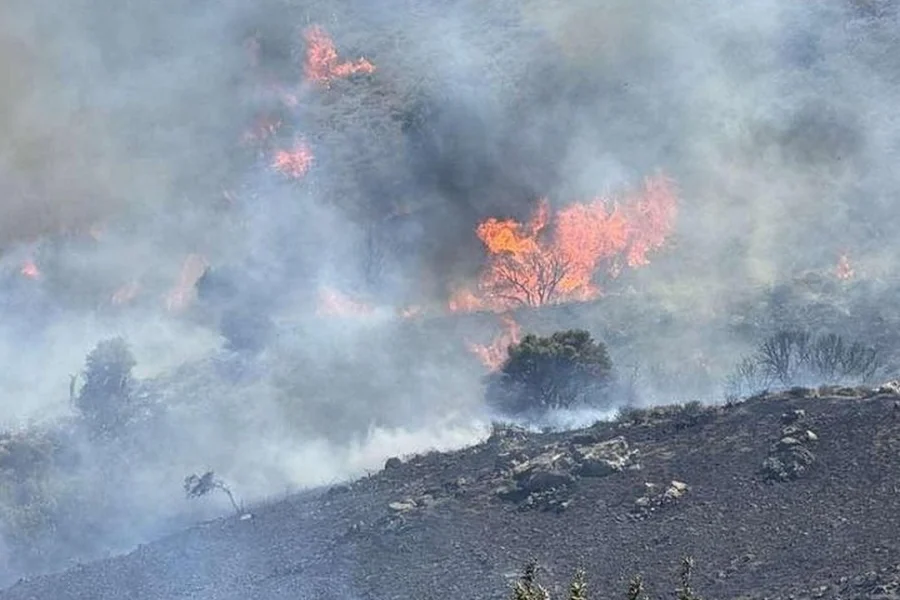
(685,591)
(527,587)
(636,589)
(578,587)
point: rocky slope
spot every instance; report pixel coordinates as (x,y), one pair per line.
(791,495)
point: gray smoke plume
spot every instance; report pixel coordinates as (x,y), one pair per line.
(121,156)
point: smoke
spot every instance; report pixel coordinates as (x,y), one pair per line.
(122,155)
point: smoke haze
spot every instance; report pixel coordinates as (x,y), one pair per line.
(121,155)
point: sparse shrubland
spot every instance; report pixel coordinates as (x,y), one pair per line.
(795,357)
(528,588)
(568,369)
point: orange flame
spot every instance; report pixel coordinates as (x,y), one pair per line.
(495,354)
(181,296)
(844,269)
(529,266)
(333,303)
(294,163)
(30,270)
(322,64)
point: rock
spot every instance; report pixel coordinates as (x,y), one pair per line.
(392,463)
(402,507)
(889,388)
(552,460)
(788,442)
(603,458)
(542,481)
(793,416)
(811,436)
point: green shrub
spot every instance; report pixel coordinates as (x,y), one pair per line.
(105,399)
(564,370)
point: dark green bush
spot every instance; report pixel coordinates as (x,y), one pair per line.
(105,400)
(565,370)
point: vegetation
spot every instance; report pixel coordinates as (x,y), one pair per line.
(200,485)
(794,357)
(527,587)
(105,401)
(564,370)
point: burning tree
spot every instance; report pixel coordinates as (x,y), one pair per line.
(529,265)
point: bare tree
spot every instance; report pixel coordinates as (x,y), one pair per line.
(196,486)
(529,279)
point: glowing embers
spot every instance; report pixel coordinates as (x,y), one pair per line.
(294,162)
(322,65)
(534,264)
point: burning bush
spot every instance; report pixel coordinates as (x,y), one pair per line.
(791,357)
(565,370)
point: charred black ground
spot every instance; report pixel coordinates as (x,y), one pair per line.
(675,481)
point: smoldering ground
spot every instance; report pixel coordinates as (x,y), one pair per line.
(775,119)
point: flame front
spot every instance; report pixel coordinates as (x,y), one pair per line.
(322,63)
(293,163)
(530,266)
(495,354)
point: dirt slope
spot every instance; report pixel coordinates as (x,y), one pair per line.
(461,524)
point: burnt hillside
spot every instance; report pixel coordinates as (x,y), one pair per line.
(788,495)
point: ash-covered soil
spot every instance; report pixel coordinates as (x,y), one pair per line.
(791,495)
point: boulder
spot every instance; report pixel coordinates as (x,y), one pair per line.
(543,481)
(392,463)
(603,458)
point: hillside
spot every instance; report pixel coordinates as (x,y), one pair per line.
(461,524)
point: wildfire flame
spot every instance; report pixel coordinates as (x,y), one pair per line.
(181,296)
(495,354)
(531,266)
(322,64)
(293,163)
(333,303)
(30,270)
(844,269)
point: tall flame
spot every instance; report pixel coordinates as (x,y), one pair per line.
(495,354)
(531,266)
(322,63)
